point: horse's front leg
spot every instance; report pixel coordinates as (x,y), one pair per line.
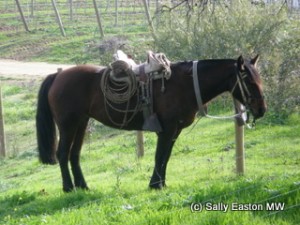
(166,140)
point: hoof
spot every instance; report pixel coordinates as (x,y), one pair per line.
(84,188)
(68,189)
(81,185)
(157,186)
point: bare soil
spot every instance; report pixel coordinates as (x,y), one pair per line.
(23,70)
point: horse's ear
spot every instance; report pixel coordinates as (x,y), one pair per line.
(240,62)
(254,60)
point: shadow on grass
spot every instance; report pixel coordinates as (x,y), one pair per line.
(40,203)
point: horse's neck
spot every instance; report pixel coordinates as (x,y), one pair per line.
(214,78)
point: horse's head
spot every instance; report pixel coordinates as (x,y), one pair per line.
(247,87)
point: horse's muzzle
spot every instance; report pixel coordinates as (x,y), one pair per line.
(259,112)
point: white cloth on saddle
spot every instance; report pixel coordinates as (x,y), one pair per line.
(155,63)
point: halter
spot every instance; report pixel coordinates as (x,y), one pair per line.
(240,83)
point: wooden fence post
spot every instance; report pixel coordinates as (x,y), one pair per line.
(32,8)
(139,144)
(149,18)
(157,12)
(2,132)
(98,18)
(239,144)
(116,12)
(71,9)
(61,27)
(22,16)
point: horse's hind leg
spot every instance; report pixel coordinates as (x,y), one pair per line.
(75,156)
(63,152)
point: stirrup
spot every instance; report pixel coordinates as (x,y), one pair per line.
(152,123)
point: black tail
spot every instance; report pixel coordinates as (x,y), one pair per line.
(45,126)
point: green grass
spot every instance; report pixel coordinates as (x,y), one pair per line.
(79,47)
(201,170)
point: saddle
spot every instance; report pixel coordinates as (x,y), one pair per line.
(157,66)
(138,78)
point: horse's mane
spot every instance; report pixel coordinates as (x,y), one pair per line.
(187,66)
(204,61)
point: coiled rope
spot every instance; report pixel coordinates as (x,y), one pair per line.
(119,92)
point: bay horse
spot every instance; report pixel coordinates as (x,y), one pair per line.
(69,98)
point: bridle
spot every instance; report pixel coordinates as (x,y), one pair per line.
(245,93)
(240,82)
(247,97)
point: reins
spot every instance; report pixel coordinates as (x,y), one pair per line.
(240,82)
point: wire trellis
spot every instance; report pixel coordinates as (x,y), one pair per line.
(117,16)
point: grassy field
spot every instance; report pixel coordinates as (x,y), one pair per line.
(201,171)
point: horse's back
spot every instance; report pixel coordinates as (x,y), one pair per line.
(73,90)
(78,73)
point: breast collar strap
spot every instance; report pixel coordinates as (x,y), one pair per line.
(197,89)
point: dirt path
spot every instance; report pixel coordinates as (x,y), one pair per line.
(12,68)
